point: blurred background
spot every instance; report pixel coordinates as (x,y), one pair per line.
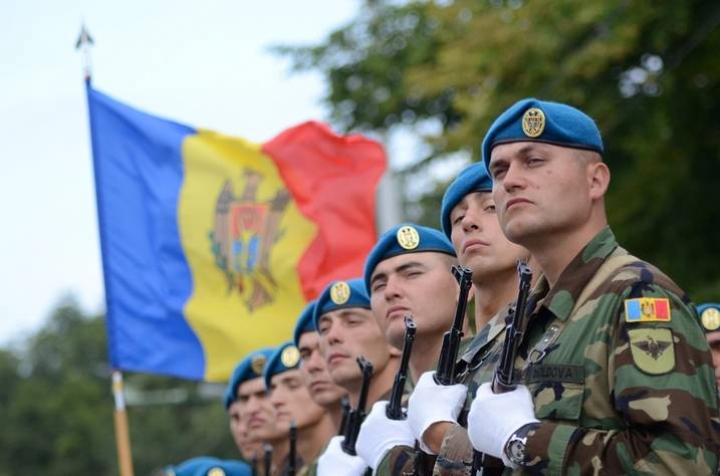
(426,78)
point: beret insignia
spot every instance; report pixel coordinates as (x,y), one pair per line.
(408,237)
(340,292)
(710,319)
(216,472)
(258,364)
(533,122)
(290,356)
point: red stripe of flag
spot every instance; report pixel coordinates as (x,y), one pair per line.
(333,180)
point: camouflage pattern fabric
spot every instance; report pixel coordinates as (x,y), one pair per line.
(617,397)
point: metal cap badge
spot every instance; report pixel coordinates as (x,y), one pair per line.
(290,356)
(257,364)
(533,122)
(216,472)
(710,319)
(340,292)
(408,237)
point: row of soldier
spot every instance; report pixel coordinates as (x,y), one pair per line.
(582,359)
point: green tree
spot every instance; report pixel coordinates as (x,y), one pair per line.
(56,407)
(645,71)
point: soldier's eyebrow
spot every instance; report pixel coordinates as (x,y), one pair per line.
(408,266)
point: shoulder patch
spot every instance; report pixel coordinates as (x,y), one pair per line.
(647,310)
(652,350)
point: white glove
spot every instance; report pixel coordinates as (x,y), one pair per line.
(432,403)
(494,417)
(378,434)
(335,462)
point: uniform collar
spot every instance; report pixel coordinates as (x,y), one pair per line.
(561,299)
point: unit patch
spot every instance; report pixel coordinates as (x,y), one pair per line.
(652,350)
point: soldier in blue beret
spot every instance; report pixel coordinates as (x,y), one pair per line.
(293,403)
(710,319)
(608,335)
(408,272)
(247,395)
(208,466)
(323,390)
(347,330)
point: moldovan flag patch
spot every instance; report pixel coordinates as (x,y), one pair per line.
(647,310)
(211,244)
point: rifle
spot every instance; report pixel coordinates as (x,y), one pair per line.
(503,378)
(394,409)
(357,415)
(253,465)
(345,406)
(504,372)
(268,459)
(445,374)
(292,454)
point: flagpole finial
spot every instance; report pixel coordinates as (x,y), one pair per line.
(84,43)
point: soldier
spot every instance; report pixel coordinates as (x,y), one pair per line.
(208,466)
(250,447)
(292,402)
(248,385)
(348,330)
(317,379)
(617,376)
(710,319)
(408,273)
(468,218)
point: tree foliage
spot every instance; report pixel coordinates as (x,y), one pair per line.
(56,408)
(646,71)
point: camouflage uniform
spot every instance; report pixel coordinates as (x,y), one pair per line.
(613,396)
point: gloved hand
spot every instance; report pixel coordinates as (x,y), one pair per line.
(335,462)
(494,417)
(432,403)
(378,434)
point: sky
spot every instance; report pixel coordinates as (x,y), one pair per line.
(205,64)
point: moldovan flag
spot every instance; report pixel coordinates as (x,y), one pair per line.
(211,244)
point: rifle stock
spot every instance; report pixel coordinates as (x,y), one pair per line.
(394,409)
(445,374)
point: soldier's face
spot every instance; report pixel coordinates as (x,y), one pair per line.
(292,401)
(478,240)
(541,191)
(256,410)
(346,334)
(245,444)
(419,284)
(317,379)
(713,339)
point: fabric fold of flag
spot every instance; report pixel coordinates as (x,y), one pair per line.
(212,244)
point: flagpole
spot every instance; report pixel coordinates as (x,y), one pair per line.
(122,433)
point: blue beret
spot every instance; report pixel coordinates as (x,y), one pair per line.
(543,121)
(402,239)
(286,357)
(305,322)
(709,316)
(204,465)
(473,178)
(341,295)
(252,366)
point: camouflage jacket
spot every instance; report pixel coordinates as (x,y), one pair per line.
(621,384)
